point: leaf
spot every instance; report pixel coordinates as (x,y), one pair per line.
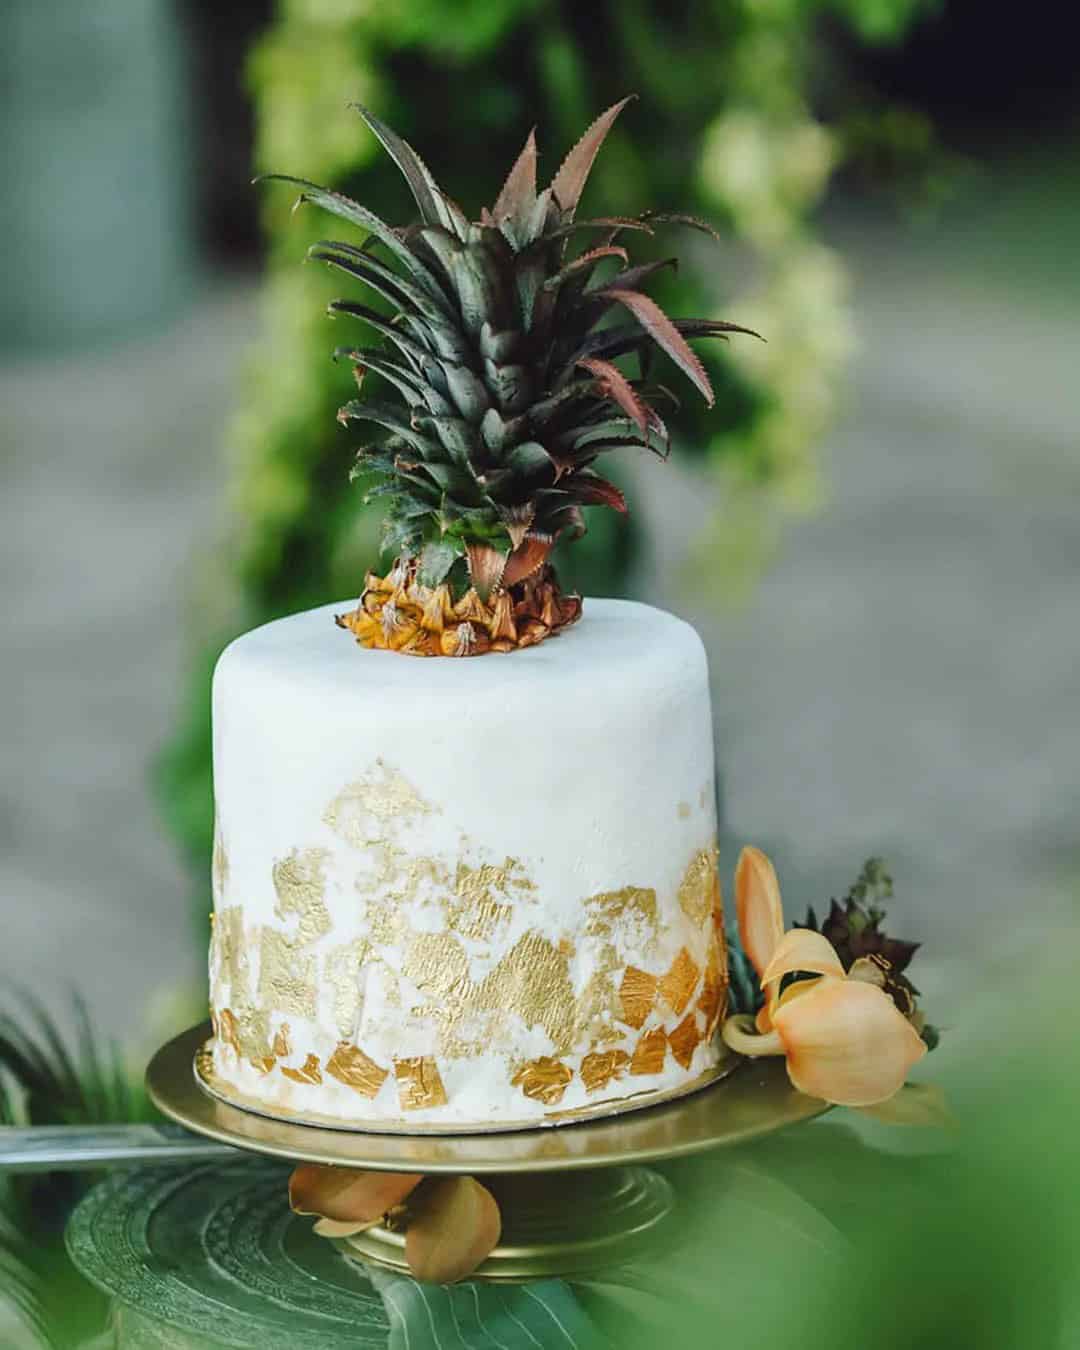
(340,205)
(615,386)
(486,566)
(569,182)
(435,207)
(592,490)
(527,458)
(587,259)
(436,560)
(921,1104)
(682,218)
(388,416)
(388,283)
(518,193)
(667,336)
(453,1230)
(528,557)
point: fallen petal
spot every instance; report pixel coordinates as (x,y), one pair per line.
(846,1042)
(348,1196)
(452,1230)
(803,949)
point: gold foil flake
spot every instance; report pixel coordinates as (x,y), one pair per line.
(699,890)
(286,977)
(300,886)
(603,1067)
(247,1030)
(637,993)
(597,1008)
(532,980)
(679,983)
(349,1065)
(230,953)
(684,1039)
(567,948)
(712,1000)
(363,810)
(650,1052)
(309,1072)
(219,865)
(683,810)
(436,964)
(281,1048)
(611,909)
(544,1080)
(341,971)
(419,1083)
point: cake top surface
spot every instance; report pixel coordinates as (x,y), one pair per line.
(612,636)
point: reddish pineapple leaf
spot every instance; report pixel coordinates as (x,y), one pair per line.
(667,336)
(569,182)
(592,490)
(615,386)
(518,193)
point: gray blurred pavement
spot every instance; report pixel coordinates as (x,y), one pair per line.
(903,682)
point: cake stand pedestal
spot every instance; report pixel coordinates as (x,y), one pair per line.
(574,1197)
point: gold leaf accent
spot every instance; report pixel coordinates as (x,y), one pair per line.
(341,971)
(533,980)
(699,890)
(286,978)
(219,865)
(265,1064)
(436,964)
(309,1072)
(349,1065)
(637,993)
(598,1007)
(603,1067)
(281,1048)
(712,1000)
(650,1052)
(229,953)
(544,1080)
(383,796)
(247,1030)
(679,983)
(610,908)
(419,1083)
(684,1039)
(300,886)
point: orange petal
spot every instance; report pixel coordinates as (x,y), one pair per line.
(453,1230)
(846,1042)
(757,905)
(347,1196)
(802,949)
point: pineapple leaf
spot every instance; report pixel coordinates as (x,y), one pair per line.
(340,205)
(518,194)
(569,183)
(592,490)
(614,385)
(436,560)
(435,207)
(667,336)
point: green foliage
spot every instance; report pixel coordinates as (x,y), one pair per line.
(49,1077)
(723,128)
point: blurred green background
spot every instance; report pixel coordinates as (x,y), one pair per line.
(875,531)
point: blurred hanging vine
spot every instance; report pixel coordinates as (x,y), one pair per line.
(724,126)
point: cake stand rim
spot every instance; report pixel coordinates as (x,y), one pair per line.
(754,1099)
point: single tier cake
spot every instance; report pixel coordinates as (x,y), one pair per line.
(465,894)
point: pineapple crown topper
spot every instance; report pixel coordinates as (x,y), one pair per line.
(503,356)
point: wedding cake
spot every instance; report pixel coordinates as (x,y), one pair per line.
(465,872)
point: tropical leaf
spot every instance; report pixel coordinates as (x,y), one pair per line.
(518,193)
(666,335)
(435,207)
(569,182)
(614,385)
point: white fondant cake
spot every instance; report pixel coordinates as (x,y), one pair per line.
(464,893)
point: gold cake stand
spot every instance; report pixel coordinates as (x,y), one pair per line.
(574,1197)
